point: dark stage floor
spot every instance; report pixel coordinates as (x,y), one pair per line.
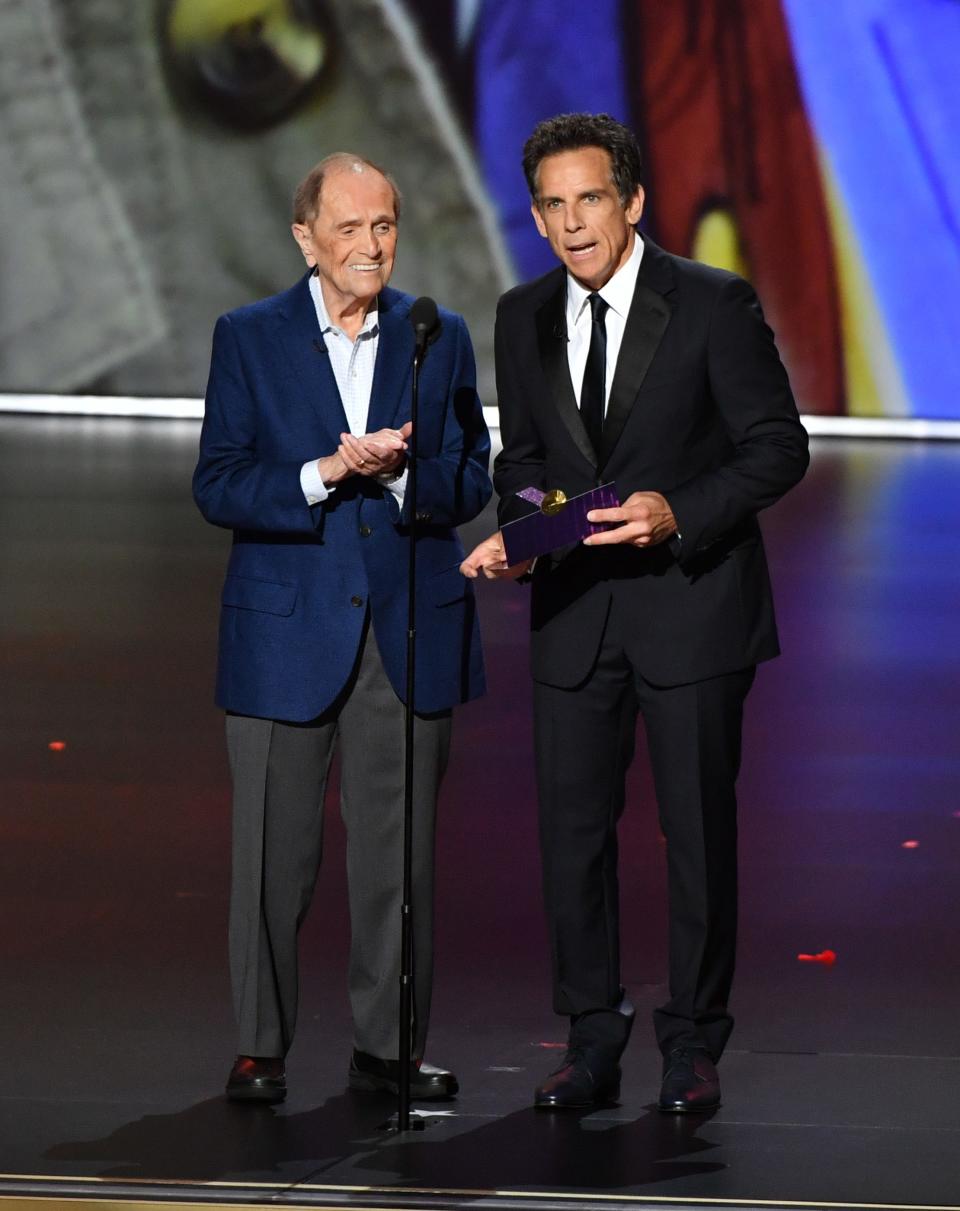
(841,1084)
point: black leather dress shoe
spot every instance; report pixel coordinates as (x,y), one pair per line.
(690,1082)
(590,1073)
(257,1079)
(427,1083)
(587,1078)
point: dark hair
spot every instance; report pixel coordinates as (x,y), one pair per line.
(306,199)
(570,132)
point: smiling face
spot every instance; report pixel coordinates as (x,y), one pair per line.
(352,241)
(577,209)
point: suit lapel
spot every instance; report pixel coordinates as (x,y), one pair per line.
(391,375)
(307,356)
(647,321)
(551,323)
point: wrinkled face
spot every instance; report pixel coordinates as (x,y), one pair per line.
(579,212)
(353,239)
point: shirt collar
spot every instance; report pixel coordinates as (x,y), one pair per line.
(370,321)
(617,293)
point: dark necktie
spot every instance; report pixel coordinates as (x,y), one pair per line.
(593,392)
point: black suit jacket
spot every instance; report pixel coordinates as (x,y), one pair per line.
(700,410)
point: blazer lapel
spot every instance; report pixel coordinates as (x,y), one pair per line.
(647,321)
(307,356)
(551,323)
(391,374)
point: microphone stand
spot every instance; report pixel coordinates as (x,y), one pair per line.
(406,912)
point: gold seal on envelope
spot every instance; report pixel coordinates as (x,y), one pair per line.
(553,502)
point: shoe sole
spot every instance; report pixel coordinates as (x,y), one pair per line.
(362,1083)
(252,1094)
(689,1109)
(610,1097)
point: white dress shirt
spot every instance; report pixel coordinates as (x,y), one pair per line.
(618,295)
(352,363)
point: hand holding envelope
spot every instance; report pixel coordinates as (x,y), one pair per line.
(556,522)
(645,519)
(596,517)
(490,558)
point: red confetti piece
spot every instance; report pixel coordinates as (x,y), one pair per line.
(825,957)
(57,746)
(556,1046)
(910,845)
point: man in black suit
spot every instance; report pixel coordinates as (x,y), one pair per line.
(628,364)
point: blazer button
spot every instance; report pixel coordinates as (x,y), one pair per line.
(355,600)
(365,531)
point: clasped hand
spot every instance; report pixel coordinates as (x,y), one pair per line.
(372,454)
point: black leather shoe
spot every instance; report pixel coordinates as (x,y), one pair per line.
(587,1078)
(257,1079)
(590,1073)
(427,1083)
(690,1082)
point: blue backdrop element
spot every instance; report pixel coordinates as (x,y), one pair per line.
(881,83)
(535,60)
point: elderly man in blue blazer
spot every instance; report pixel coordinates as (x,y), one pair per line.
(303,456)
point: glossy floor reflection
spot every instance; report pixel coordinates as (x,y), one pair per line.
(840,1082)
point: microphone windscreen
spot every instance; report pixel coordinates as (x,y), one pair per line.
(423,315)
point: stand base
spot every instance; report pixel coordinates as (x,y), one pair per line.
(417,1123)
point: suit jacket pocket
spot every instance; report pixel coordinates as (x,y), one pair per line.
(446,586)
(267,596)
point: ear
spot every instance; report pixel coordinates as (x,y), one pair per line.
(303,236)
(538,219)
(635,206)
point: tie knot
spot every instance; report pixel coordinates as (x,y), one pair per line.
(598,307)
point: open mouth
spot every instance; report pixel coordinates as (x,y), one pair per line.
(366,268)
(579,251)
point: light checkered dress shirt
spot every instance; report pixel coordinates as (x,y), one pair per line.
(352,363)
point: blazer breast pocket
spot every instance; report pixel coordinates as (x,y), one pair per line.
(266,596)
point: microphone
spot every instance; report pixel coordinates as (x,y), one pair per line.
(319,347)
(426,323)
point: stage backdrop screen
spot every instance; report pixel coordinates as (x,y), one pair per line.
(148,153)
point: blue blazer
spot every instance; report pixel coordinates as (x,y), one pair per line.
(300,577)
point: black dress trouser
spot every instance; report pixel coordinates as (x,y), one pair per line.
(584,741)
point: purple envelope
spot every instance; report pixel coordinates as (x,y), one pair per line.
(539,532)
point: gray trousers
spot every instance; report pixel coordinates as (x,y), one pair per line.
(279,775)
